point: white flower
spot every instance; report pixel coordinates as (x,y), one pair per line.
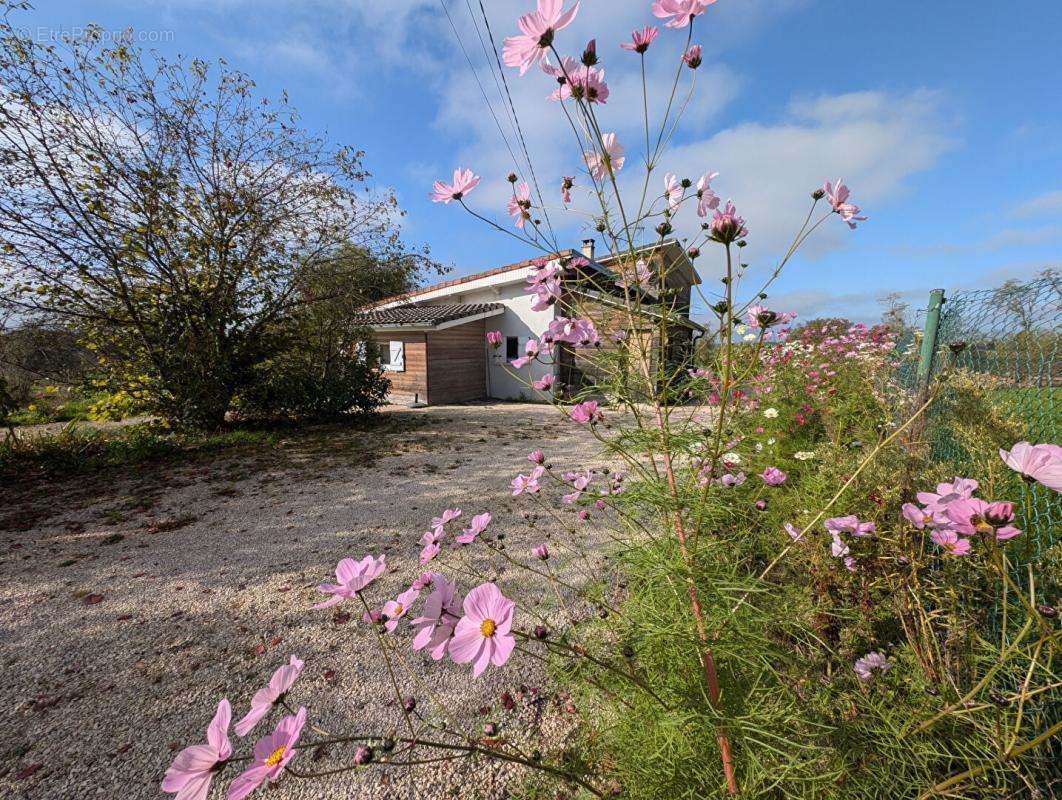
(770,413)
(804,455)
(772,440)
(731,458)
(759,446)
(749,337)
(740,328)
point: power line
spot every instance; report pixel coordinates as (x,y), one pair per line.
(482,91)
(516,118)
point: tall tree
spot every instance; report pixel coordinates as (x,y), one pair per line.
(172,216)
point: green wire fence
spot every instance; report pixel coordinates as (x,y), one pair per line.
(1012,336)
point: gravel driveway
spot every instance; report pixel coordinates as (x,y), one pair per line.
(134,600)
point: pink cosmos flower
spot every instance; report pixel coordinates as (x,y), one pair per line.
(707,200)
(271,755)
(838,547)
(921,518)
(545,383)
(527,483)
(938,502)
(575,80)
(538,30)
(733,479)
(447,516)
(773,476)
(967,516)
(613,158)
(681,12)
(423,581)
(482,635)
(640,40)
(531,351)
(692,56)
(971,516)
(394,610)
(540,551)
(265,698)
(566,189)
(1037,462)
(351,576)
(1007,532)
(536,456)
(546,293)
(477,525)
(951,541)
(520,204)
(758,316)
(435,626)
(464,182)
(849,524)
(864,667)
(586,412)
(838,198)
(794,532)
(580,332)
(672,191)
(494,339)
(726,225)
(430,545)
(191,772)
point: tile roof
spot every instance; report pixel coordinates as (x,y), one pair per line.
(410,314)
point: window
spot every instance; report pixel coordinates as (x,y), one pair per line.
(393,357)
(512,348)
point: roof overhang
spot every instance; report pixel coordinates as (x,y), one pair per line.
(413,327)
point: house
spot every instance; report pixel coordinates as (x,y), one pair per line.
(432,341)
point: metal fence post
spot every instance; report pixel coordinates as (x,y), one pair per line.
(929,339)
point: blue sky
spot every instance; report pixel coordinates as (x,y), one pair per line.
(943,117)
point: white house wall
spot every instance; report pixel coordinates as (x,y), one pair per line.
(518,320)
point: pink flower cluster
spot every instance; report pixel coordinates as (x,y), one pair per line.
(850,525)
(954,516)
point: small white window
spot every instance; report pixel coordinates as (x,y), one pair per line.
(393,357)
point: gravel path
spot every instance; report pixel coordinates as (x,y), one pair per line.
(131,602)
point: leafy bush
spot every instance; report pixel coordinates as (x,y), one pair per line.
(305,383)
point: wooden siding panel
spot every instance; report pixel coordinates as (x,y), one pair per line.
(413,381)
(457,363)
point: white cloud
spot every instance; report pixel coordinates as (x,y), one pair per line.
(1048,204)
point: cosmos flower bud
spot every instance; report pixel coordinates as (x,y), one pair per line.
(818,194)
(490,729)
(664,228)
(409,704)
(590,53)
(363,755)
(761,505)
(694,252)
(999,513)
(541,632)
(512,177)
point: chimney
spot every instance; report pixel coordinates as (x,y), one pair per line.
(588,248)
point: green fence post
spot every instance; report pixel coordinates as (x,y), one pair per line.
(929,338)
